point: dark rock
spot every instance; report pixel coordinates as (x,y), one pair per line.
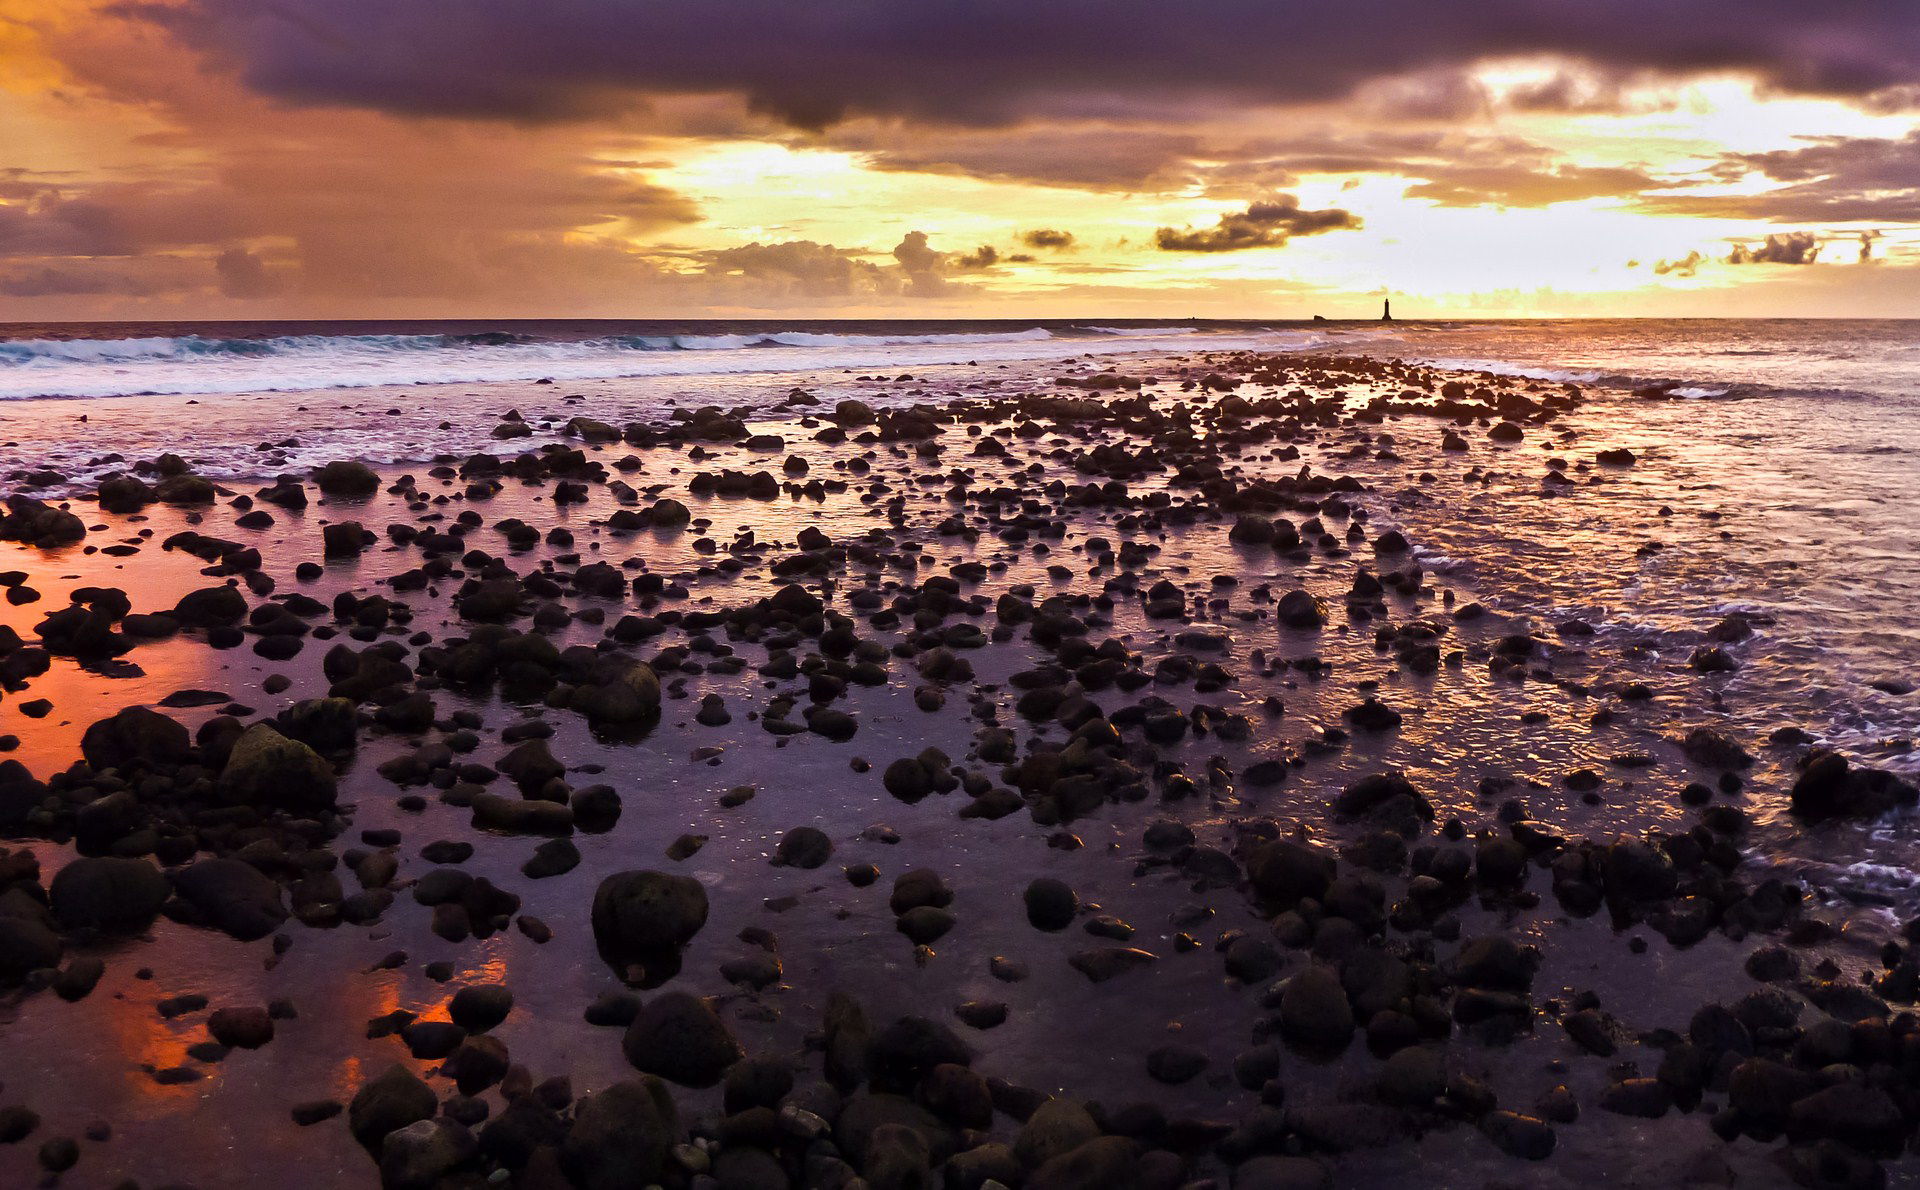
(680,1038)
(110,894)
(232,896)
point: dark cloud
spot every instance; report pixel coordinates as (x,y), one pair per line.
(983,257)
(1828,180)
(803,268)
(1434,95)
(1520,185)
(1267,224)
(1686,266)
(244,275)
(344,206)
(989,61)
(1069,156)
(1792,247)
(925,268)
(1571,92)
(70,282)
(1049,238)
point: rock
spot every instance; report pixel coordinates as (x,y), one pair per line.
(388,1103)
(1644,1098)
(896,1158)
(1637,871)
(1861,1117)
(1056,1128)
(919,887)
(1102,1162)
(1175,1064)
(555,857)
(232,896)
(246,1028)
(644,911)
(26,946)
(38,523)
(680,1038)
(746,1167)
(1314,1013)
(185,490)
(417,1156)
(1108,962)
(1284,872)
(990,1162)
(902,1054)
(135,736)
(1371,792)
(1414,1076)
(313,1111)
(531,765)
(630,696)
(958,1095)
(1713,749)
(924,925)
(343,539)
(479,1007)
(803,847)
(1830,787)
(1051,904)
(1496,962)
(621,1137)
(521,816)
(210,607)
(346,478)
(120,492)
(109,894)
(853,413)
(266,769)
(1519,1136)
(1282,1173)
(1297,609)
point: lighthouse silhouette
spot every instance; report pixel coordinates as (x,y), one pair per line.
(1386,309)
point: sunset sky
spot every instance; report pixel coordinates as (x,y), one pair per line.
(992,158)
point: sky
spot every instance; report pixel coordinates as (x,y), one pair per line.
(199,159)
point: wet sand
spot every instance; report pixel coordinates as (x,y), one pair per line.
(1351,981)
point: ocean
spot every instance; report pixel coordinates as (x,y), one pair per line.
(1696,357)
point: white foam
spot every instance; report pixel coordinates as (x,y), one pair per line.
(193,365)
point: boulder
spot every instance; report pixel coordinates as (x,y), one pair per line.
(621,1137)
(643,911)
(135,736)
(629,696)
(210,607)
(1314,1012)
(419,1155)
(267,769)
(108,893)
(346,478)
(26,946)
(1830,787)
(389,1103)
(121,492)
(232,896)
(681,1038)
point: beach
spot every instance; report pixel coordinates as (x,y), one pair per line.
(1247,755)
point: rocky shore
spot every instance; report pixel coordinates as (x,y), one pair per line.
(1078,783)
